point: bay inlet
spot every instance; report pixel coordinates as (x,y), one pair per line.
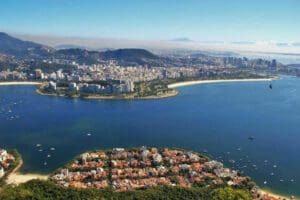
(216,119)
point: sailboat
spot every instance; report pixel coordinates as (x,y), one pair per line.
(271,86)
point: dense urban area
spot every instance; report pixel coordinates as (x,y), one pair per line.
(122,72)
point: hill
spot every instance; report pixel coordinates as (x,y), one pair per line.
(12,46)
(128,54)
(15,47)
(123,56)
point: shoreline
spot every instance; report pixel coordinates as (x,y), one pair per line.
(277,196)
(188,83)
(166,95)
(16,178)
(20,83)
(162,96)
(99,97)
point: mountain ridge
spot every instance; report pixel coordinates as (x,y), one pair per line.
(15,47)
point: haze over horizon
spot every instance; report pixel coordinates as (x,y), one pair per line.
(226,25)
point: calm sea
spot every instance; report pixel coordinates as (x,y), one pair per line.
(216,119)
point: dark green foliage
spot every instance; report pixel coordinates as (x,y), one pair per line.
(230,194)
(46,190)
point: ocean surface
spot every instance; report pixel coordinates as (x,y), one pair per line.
(215,119)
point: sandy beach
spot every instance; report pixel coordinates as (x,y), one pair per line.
(20,83)
(270,194)
(187,83)
(15,177)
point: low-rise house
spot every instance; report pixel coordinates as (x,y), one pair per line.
(141,168)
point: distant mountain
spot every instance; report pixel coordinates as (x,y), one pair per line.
(243,42)
(128,54)
(78,55)
(15,47)
(69,46)
(294,65)
(296,44)
(182,39)
(123,56)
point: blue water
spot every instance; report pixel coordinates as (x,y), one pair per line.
(217,118)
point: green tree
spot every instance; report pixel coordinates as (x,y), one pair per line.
(230,194)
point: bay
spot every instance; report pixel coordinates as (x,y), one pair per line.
(215,119)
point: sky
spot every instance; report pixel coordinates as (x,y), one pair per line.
(199,20)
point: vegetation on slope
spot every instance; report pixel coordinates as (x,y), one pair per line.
(41,190)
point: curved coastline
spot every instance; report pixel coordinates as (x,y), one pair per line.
(20,83)
(274,195)
(188,83)
(162,96)
(169,94)
(16,178)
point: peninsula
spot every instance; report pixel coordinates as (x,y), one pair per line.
(140,173)
(154,89)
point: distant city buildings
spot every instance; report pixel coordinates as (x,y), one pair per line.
(192,66)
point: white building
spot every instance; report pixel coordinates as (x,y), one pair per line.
(73,87)
(130,86)
(52,85)
(59,75)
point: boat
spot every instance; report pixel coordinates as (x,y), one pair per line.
(232,161)
(250,138)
